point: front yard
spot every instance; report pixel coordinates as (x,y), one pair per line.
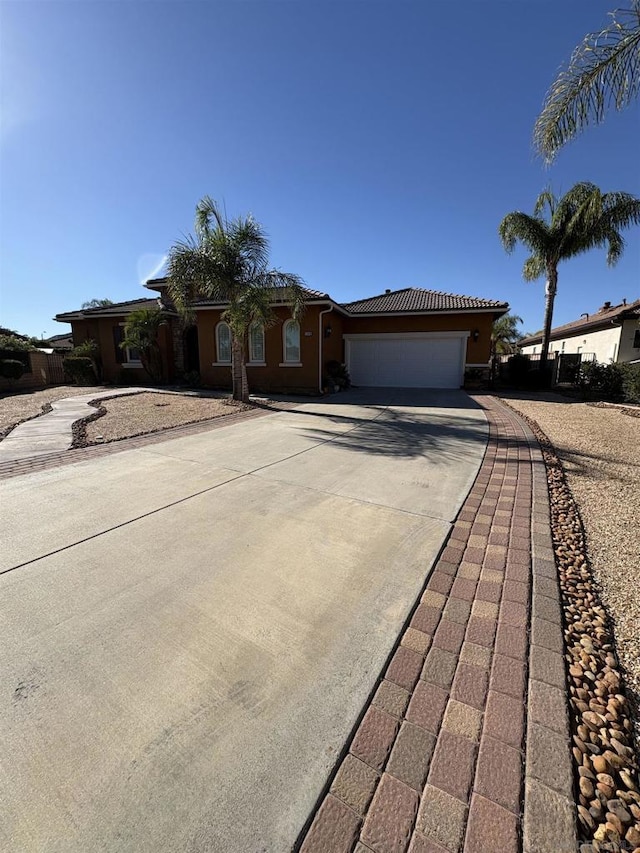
(15,408)
(139,414)
(600,451)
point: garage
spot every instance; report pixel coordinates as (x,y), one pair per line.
(409,360)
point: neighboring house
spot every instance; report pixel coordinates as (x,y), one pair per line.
(611,334)
(403,338)
(60,343)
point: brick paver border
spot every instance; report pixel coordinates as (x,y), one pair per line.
(97,451)
(465,743)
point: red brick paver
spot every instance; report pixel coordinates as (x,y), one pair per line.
(447,735)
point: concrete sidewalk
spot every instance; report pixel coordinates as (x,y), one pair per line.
(465,743)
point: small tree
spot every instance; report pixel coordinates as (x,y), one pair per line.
(141,333)
(504,338)
(228,261)
(97,303)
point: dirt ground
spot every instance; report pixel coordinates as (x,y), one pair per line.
(600,451)
(148,412)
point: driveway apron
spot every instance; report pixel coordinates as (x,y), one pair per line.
(189,630)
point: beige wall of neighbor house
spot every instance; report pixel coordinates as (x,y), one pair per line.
(614,343)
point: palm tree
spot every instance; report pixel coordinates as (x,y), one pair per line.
(504,337)
(583,219)
(97,303)
(227,261)
(141,333)
(505,334)
(604,71)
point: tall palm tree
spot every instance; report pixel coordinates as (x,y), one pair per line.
(227,260)
(603,72)
(583,219)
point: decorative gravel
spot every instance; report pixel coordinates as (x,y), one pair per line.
(139,414)
(599,448)
(19,407)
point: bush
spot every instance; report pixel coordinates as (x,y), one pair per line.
(16,342)
(192,379)
(338,374)
(11,369)
(601,381)
(80,370)
(631,382)
(517,369)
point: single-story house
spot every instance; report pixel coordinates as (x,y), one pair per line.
(611,334)
(403,338)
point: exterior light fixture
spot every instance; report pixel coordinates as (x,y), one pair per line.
(475,335)
(327,331)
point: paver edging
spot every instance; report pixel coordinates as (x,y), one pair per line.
(465,570)
(589,649)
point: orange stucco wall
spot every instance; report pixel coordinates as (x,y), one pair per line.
(101,330)
(478,352)
(272,377)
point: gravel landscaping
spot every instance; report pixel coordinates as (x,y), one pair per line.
(19,407)
(592,473)
(600,451)
(139,414)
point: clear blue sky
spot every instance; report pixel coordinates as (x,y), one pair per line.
(380,143)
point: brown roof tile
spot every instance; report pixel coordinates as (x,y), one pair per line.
(603,317)
(416,299)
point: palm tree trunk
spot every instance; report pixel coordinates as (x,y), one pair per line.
(238,369)
(550,295)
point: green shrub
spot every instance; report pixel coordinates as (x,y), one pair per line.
(518,367)
(631,382)
(601,381)
(11,369)
(15,342)
(338,374)
(192,379)
(80,370)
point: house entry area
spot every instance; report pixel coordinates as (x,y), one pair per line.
(409,360)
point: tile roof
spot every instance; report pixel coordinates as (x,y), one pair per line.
(417,299)
(129,305)
(603,317)
(279,294)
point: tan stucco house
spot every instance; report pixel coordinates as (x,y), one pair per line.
(611,334)
(403,338)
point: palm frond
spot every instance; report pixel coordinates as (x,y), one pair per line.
(518,227)
(533,268)
(603,72)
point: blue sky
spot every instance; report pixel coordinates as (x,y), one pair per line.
(380,143)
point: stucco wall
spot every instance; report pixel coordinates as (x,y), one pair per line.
(478,352)
(271,377)
(627,351)
(604,343)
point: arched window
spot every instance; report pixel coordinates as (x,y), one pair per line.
(223,343)
(256,344)
(291,342)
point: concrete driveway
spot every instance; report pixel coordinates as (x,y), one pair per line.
(188,631)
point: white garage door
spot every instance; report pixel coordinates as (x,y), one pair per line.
(406,361)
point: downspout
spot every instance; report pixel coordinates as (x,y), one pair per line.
(320,340)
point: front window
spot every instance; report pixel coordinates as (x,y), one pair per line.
(223,343)
(292,341)
(256,343)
